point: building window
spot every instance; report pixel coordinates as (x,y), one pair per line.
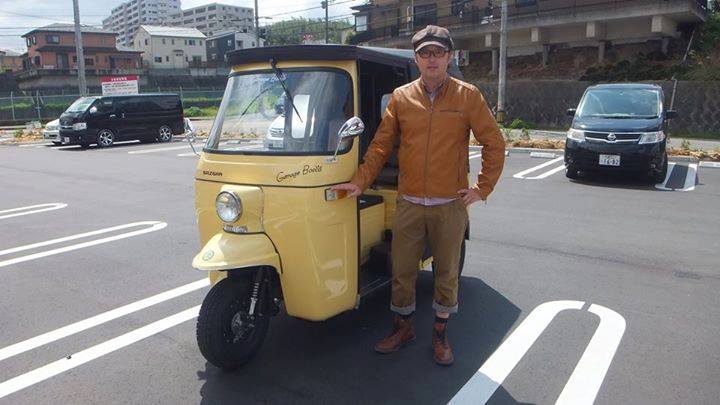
(167,59)
(229,42)
(210,8)
(52,39)
(239,44)
(158,59)
(172,41)
(201,40)
(146,42)
(213,56)
(89,62)
(197,59)
(361,23)
(163,41)
(36,60)
(190,42)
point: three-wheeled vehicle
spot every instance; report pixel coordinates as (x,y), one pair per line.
(272,231)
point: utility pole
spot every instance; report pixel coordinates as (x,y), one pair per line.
(257,25)
(82,85)
(503,63)
(325,5)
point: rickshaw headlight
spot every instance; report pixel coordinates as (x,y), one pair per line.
(228,207)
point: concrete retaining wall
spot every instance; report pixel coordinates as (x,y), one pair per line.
(544,103)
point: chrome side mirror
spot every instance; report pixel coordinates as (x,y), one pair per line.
(350,129)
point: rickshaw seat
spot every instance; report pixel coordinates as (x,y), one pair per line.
(368,200)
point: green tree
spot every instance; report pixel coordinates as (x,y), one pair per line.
(292,32)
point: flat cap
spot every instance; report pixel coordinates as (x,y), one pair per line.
(432,35)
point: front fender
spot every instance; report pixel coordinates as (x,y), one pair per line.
(227,251)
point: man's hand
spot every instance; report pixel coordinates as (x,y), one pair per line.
(353,190)
(470,195)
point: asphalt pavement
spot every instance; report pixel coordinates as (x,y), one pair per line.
(602,289)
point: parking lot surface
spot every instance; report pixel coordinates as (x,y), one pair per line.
(603,282)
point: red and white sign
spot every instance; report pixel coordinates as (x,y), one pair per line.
(119,85)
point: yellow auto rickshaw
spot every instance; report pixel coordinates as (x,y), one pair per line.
(293,122)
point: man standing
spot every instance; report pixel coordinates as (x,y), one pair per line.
(432,116)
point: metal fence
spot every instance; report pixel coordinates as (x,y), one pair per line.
(19,108)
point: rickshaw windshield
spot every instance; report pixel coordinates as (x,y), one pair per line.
(257,117)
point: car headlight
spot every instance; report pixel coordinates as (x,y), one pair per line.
(652,137)
(80,126)
(576,135)
(228,207)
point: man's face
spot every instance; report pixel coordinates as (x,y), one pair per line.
(433,61)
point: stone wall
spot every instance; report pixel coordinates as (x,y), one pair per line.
(545,102)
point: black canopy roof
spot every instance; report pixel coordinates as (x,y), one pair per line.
(403,58)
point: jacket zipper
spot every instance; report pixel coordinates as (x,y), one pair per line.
(427,148)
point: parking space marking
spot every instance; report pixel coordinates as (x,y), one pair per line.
(79,146)
(589,373)
(475,155)
(690,178)
(35,145)
(588,376)
(154,150)
(714,165)
(60,366)
(65,331)
(521,175)
(151,226)
(34,209)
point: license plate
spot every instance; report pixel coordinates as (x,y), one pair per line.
(66,139)
(610,160)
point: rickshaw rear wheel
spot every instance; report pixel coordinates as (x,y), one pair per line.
(227,335)
(462,260)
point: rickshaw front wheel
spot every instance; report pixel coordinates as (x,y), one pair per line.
(227,335)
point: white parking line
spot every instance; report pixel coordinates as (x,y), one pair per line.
(547,174)
(481,386)
(714,165)
(543,155)
(34,209)
(585,381)
(153,226)
(143,151)
(522,174)
(65,331)
(60,366)
(187,154)
(475,155)
(35,145)
(690,177)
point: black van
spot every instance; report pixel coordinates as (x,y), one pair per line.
(108,119)
(619,127)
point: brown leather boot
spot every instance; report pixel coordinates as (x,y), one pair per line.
(441,347)
(402,334)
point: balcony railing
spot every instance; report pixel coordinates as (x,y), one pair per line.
(522,8)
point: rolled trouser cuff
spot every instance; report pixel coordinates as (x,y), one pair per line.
(442,308)
(403,310)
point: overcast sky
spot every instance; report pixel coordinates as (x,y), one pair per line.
(20,16)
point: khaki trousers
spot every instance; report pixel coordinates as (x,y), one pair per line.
(443,227)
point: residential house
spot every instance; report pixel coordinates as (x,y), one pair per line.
(219,45)
(171,47)
(10,61)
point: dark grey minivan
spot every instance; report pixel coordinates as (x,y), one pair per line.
(109,119)
(619,127)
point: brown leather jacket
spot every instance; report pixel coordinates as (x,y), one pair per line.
(434,138)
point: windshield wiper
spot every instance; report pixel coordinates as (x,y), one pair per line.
(281,79)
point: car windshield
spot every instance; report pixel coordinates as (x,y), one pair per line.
(621,103)
(256,116)
(81,104)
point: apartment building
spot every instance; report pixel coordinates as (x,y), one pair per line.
(213,18)
(171,47)
(127,18)
(534,26)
